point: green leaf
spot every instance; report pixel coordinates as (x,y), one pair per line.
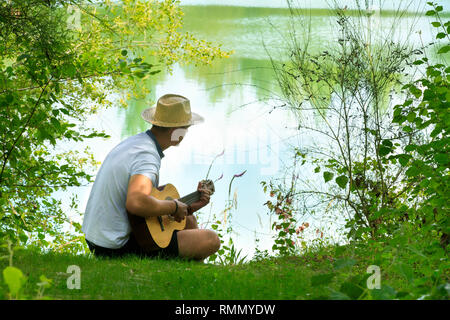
(411,116)
(327,176)
(14,278)
(45,282)
(444,49)
(322,279)
(387,143)
(406,271)
(415,91)
(352,290)
(440,35)
(441,158)
(385,293)
(344,263)
(336,295)
(412,172)
(122,64)
(403,159)
(339,250)
(410,147)
(140,74)
(124,52)
(342,181)
(55,123)
(436,24)
(23,237)
(9,98)
(42,134)
(23,56)
(407,129)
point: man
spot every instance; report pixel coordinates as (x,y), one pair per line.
(125,180)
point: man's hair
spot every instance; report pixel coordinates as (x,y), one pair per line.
(165,129)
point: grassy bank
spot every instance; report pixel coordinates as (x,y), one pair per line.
(413,270)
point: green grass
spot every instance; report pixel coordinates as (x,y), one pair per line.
(134,278)
(410,269)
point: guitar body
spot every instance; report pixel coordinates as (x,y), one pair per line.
(162,236)
(153,233)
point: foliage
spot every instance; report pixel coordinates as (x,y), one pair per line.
(284,210)
(409,269)
(60,62)
(351,90)
(15,279)
(426,161)
(228,253)
(387,164)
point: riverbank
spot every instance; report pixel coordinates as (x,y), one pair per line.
(402,269)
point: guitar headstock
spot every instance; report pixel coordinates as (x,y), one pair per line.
(208,184)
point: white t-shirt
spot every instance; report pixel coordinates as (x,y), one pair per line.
(105,220)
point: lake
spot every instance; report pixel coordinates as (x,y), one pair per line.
(236,97)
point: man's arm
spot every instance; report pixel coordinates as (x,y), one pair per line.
(140,203)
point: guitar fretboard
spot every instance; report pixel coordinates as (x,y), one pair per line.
(190,198)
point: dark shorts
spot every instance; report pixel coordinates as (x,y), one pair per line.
(132,247)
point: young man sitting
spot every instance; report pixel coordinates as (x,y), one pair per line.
(125,180)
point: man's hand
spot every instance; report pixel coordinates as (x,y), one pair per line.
(181,212)
(204,198)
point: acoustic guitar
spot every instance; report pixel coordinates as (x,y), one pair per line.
(156,232)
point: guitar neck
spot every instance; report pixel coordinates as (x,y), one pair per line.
(190,198)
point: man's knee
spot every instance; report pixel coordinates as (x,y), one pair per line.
(198,244)
(213,240)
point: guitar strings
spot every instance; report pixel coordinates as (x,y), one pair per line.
(185,197)
(190,197)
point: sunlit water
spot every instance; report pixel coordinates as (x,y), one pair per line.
(235,96)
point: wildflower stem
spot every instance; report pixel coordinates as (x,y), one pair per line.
(209,169)
(229,187)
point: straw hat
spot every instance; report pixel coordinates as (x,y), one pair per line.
(172,110)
